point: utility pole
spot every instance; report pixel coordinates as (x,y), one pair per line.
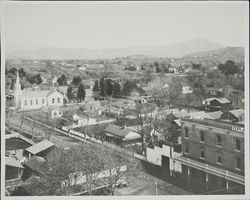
(156,188)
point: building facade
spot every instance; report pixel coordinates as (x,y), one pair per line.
(213,153)
(31,100)
(222,146)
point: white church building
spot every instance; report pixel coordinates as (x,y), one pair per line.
(31,100)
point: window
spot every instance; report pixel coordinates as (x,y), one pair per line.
(186,131)
(186,150)
(218,143)
(31,102)
(36,101)
(53,100)
(202,139)
(43,101)
(238,163)
(202,154)
(219,159)
(237,144)
(58,100)
(25,102)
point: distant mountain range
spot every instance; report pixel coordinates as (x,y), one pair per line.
(220,55)
(175,50)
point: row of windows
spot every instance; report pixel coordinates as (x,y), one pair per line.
(43,101)
(218,139)
(31,102)
(219,158)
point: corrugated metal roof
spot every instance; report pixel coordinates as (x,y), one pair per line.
(11,161)
(40,146)
(237,112)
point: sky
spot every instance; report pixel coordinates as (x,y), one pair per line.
(115,25)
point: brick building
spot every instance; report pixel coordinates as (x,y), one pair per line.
(213,152)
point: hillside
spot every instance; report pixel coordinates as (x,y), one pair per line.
(220,55)
(175,50)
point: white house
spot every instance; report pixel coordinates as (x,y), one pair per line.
(30,100)
(81,121)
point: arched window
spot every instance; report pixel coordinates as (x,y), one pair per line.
(219,140)
(202,136)
(202,154)
(238,163)
(219,159)
(237,144)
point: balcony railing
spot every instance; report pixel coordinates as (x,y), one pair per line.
(211,169)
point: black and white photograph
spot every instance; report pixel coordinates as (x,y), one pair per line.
(109,98)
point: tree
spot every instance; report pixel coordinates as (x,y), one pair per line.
(36,79)
(76,80)
(62,168)
(229,67)
(188,99)
(96,87)
(128,87)
(81,92)
(169,95)
(62,80)
(22,73)
(69,93)
(197,82)
(103,87)
(110,87)
(148,75)
(117,90)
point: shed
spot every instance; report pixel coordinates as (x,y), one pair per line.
(40,149)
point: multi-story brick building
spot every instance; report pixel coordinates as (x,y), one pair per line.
(213,150)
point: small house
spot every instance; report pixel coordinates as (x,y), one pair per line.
(216,104)
(82,120)
(234,115)
(121,136)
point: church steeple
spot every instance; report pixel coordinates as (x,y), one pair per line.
(17,90)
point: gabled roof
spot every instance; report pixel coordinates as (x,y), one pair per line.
(11,161)
(215,115)
(237,112)
(119,131)
(223,100)
(38,94)
(40,146)
(36,163)
(34,94)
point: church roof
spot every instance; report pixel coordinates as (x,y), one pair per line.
(37,94)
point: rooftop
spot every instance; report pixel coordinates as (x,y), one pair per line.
(121,132)
(237,112)
(217,124)
(11,161)
(40,146)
